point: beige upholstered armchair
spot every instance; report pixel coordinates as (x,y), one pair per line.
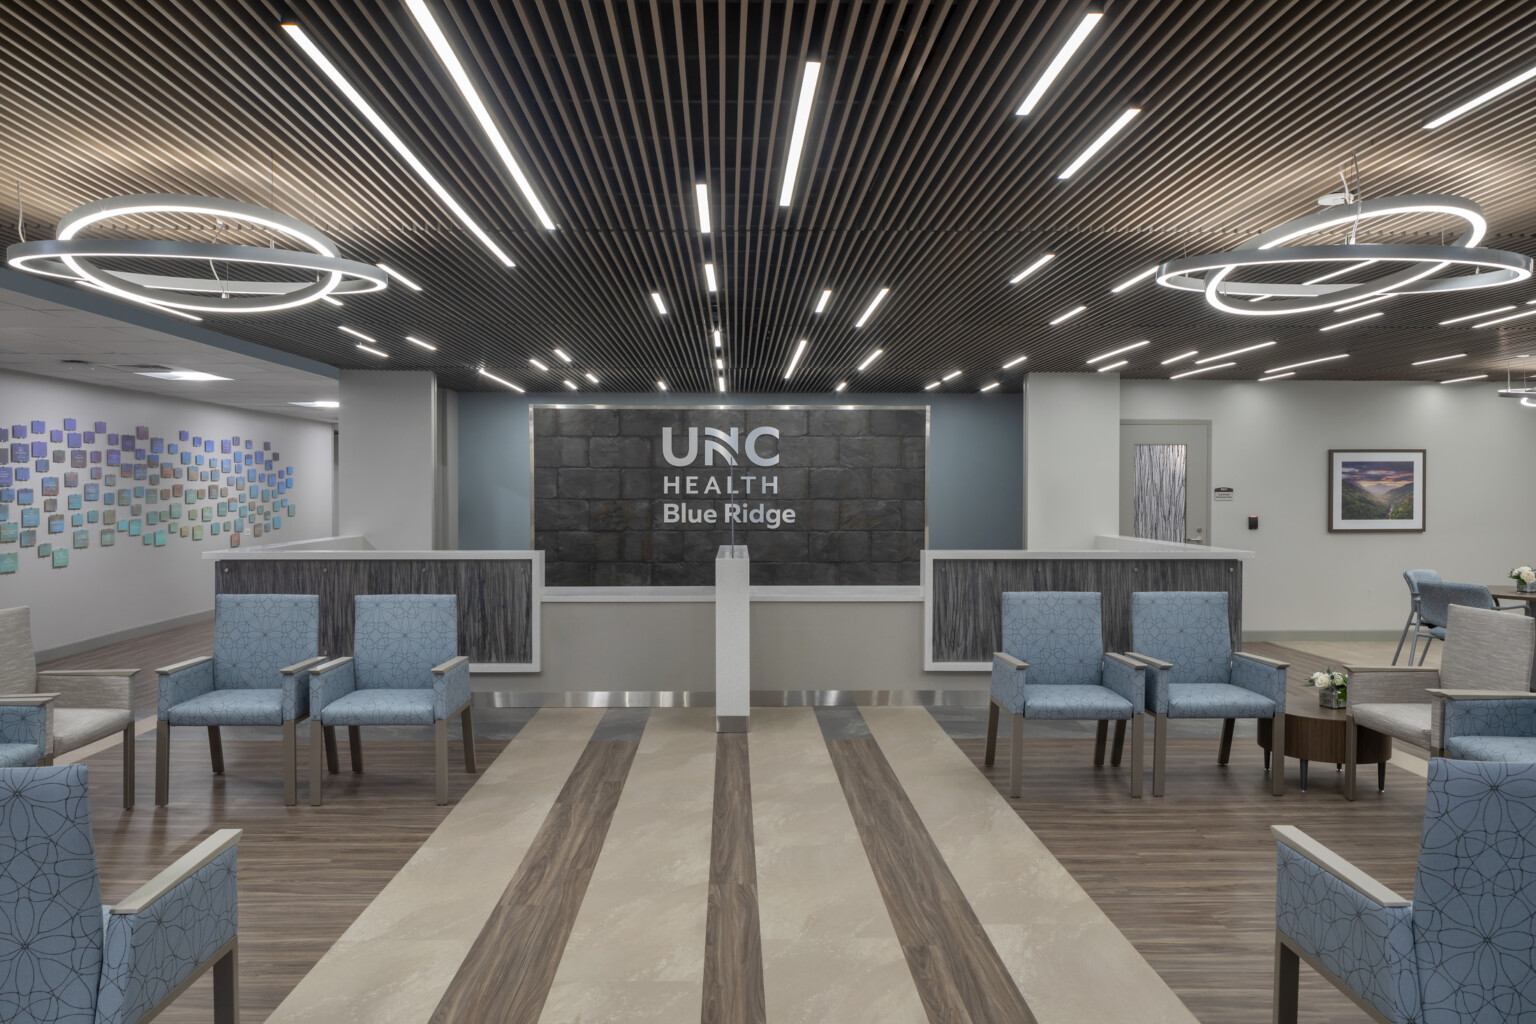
(92,704)
(1484,650)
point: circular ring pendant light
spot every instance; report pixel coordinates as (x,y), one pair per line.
(73,258)
(1213,274)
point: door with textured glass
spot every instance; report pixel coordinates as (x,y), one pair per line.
(1165,481)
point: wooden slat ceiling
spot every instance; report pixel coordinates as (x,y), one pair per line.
(917,176)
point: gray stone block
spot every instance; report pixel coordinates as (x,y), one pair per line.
(546,483)
(777,546)
(636,483)
(792,484)
(619,451)
(839,483)
(585,546)
(567,574)
(701,546)
(816,515)
(898,483)
(869,515)
(895,546)
(647,423)
(837,422)
(793,574)
(589,483)
(663,546)
(621,574)
(545,421)
(790,422)
(842,546)
(720,419)
(914,515)
(858,452)
(873,573)
(588,422)
(807,452)
(560,514)
(906,422)
(914,452)
(683,574)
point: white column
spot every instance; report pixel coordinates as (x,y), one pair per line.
(1071,459)
(387,465)
(733,638)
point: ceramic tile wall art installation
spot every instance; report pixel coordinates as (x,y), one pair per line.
(124,481)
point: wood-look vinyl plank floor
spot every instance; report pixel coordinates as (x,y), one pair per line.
(733,949)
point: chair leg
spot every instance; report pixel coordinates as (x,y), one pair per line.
(1381,776)
(1351,752)
(1100,740)
(290,762)
(440,743)
(1407,625)
(329,733)
(162,763)
(355,747)
(226,987)
(316,760)
(993,710)
(1277,752)
(1413,648)
(1287,983)
(216,749)
(1138,751)
(467,724)
(1159,752)
(1119,744)
(128,755)
(1224,752)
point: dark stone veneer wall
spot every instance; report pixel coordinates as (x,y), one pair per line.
(856,479)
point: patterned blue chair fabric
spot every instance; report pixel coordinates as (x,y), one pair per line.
(1413,577)
(23,734)
(1185,640)
(1460,951)
(67,959)
(263,648)
(405,670)
(1487,728)
(1053,666)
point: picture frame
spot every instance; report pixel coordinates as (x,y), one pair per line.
(1376,490)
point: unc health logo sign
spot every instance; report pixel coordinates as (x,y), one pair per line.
(645,496)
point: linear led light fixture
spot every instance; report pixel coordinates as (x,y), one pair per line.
(717,337)
(1119,351)
(421,344)
(591,378)
(719,364)
(876,354)
(1058,62)
(1113,366)
(1234,352)
(1132,281)
(701,197)
(1100,142)
(1202,369)
(357,334)
(821,303)
(1069,314)
(321,404)
(709,277)
(661,307)
(989,387)
(569,383)
(1180,357)
(500,380)
(930,387)
(392,272)
(538,364)
(1440,359)
(661,385)
(1505,319)
(1309,362)
(1363,302)
(1477,101)
(840,385)
(721,381)
(142,302)
(1040,262)
(333,300)
(808,77)
(1476,316)
(1356,320)
(562,354)
(190,375)
(323,62)
(874,303)
(951,375)
(1461,380)
(450,62)
(1010,364)
(1277,376)
(794,360)
(372,351)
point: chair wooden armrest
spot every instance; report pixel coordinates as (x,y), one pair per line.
(320,670)
(450,664)
(184,867)
(1406,669)
(1127,662)
(26,699)
(103,673)
(1337,866)
(307,663)
(1148,659)
(1271,662)
(1483,694)
(1011,661)
(183,664)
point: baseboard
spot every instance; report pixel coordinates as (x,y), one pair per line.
(1279,636)
(83,646)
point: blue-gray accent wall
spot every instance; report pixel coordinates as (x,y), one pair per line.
(975,462)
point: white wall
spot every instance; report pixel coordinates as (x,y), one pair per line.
(387,471)
(1071,459)
(129,587)
(1270,442)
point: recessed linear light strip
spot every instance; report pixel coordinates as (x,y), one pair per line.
(821,303)
(320,404)
(709,277)
(661,385)
(1505,319)
(331,299)
(951,375)
(421,344)
(1132,281)
(717,337)
(1040,262)
(1113,366)
(455,69)
(989,387)
(392,272)
(538,365)
(930,387)
(874,304)
(372,351)
(1180,357)
(661,307)
(1356,320)
(1440,359)
(1477,316)
(721,381)
(808,77)
(841,385)
(1277,376)
(1309,362)
(1234,352)
(502,381)
(876,354)
(1069,314)
(794,360)
(1479,100)
(1363,302)
(591,378)
(1010,364)
(1058,62)
(701,199)
(357,334)
(1118,351)
(323,62)
(570,384)
(564,356)
(1203,369)
(1462,380)
(1100,142)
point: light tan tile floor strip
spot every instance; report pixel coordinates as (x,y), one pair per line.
(636,953)
(1069,961)
(396,961)
(830,952)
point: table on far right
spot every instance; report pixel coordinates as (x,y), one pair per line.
(1502,592)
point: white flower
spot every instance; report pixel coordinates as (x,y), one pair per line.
(1527,576)
(1319,679)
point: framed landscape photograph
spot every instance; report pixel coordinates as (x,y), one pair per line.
(1379,490)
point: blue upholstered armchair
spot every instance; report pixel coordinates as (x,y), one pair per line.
(1489,725)
(1435,600)
(65,958)
(1053,666)
(263,648)
(24,729)
(1460,950)
(1192,672)
(1413,577)
(405,669)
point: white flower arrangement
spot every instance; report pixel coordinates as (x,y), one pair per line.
(1523,574)
(1326,679)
